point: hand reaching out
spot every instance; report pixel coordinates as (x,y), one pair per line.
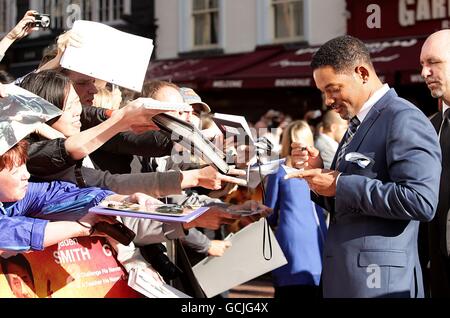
(217,248)
(2,91)
(210,178)
(24,27)
(143,199)
(65,40)
(137,117)
(88,221)
(305,157)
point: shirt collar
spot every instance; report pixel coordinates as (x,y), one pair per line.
(372,101)
(444,108)
(2,209)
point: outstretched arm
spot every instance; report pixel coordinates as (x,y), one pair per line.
(65,40)
(22,29)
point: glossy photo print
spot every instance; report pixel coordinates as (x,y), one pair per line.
(21,113)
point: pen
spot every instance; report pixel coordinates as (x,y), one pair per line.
(228,236)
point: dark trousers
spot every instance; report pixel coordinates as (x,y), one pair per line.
(440,276)
(439,264)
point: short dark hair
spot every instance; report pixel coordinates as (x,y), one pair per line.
(51,85)
(5,77)
(342,54)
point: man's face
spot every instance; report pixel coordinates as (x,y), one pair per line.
(434,59)
(84,86)
(13,183)
(172,95)
(20,281)
(342,91)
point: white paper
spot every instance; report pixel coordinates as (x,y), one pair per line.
(151,103)
(144,283)
(290,169)
(108,54)
(253,173)
(241,124)
(243,261)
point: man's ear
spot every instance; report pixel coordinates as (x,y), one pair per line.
(362,73)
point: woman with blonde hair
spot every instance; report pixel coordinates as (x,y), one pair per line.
(299,224)
(105,98)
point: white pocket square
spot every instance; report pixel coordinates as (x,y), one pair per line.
(358,158)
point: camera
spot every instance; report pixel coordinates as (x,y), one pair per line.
(155,255)
(42,21)
(117,231)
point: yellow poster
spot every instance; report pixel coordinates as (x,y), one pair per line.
(80,267)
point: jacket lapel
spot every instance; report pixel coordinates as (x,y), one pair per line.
(365,126)
(436,121)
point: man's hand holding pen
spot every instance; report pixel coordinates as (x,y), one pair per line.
(305,157)
(308,160)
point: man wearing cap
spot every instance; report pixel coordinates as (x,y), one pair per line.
(191,97)
(200,109)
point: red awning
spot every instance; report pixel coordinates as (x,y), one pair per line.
(193,72)
(399,58)
(290,68)
(396,62)
(286,69)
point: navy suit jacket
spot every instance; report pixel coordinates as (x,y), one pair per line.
(371,248)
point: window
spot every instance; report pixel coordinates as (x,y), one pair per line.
(3,15)
(105,11)
(117,9)
(7,15)
(288,19)
(56,9)
(206,23)
(86,9)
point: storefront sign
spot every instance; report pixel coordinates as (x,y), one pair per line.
(397,18)
(293,82)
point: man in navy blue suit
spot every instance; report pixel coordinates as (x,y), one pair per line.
(383,180)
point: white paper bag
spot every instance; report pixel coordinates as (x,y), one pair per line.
(243,261)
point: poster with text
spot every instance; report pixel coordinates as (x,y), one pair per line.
(76,268)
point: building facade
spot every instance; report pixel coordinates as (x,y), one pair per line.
(131,16)
(200,43)
(251,56)
(248,56)
(234,26)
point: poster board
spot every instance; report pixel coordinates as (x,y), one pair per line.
(75,268)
